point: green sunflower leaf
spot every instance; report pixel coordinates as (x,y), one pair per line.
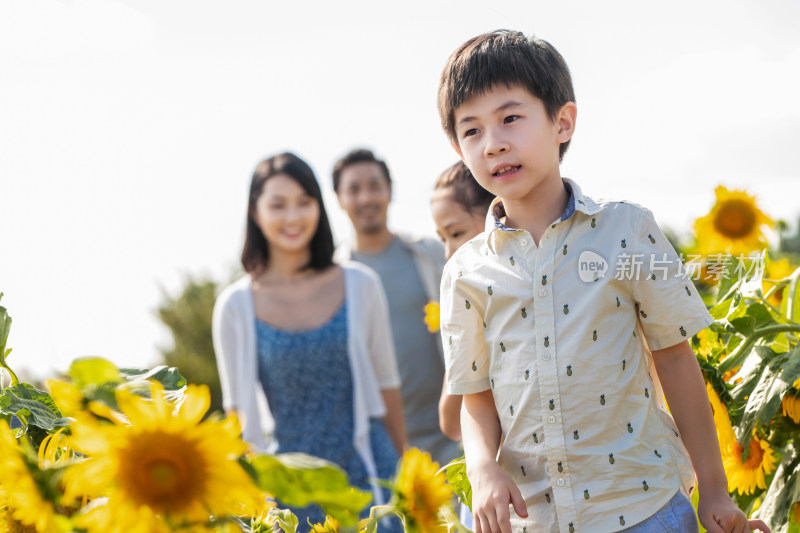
(297,480)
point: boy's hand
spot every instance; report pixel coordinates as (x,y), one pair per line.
(492,491)
(718,514)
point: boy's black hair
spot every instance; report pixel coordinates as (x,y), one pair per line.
(255,253)
(359,155)
(508,58)
(464,189)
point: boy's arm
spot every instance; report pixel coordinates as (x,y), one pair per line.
(686,394)
(450,413)
(492,489)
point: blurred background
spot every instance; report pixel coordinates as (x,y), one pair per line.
(129,131)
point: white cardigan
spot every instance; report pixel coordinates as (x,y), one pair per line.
(369,345)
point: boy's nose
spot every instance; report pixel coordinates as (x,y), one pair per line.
(495,145)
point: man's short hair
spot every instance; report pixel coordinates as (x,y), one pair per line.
(508,58)
(359,155)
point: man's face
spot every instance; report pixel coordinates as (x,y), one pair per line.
(364,194)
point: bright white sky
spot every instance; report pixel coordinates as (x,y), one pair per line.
(129,130)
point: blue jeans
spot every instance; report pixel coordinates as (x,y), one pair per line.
(676,516)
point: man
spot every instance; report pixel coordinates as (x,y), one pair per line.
(410,269)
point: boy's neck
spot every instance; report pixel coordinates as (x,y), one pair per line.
(539,209)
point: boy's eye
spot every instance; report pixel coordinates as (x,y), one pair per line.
(510,118)
(457,234)
(471,132)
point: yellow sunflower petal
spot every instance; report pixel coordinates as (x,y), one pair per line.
(68,397)
(722,421)
(23,499)
(195,404)
(790,406)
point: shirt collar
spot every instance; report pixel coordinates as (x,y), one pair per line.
(576,202)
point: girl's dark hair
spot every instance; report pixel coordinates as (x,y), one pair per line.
(465,189)
(255,253)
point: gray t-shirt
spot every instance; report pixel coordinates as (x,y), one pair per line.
(418,360)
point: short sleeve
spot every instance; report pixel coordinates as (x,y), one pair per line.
(669,306)
(465,353)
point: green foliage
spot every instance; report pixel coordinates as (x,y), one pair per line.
(301,479)
(5,328)
(760,343)
(35,410)
(456,473)
(188,318)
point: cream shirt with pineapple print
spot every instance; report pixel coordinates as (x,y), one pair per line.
(560,334)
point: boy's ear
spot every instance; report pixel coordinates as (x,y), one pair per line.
(565,120)
(457,148)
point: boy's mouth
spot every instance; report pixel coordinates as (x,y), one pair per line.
(505,170)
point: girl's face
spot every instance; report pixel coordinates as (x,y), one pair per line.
(455,225)
(286,214)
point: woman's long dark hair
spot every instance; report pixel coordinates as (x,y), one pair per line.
(255,253)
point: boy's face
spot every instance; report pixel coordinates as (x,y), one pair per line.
(364,194)
(509,142)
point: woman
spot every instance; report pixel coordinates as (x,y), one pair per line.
(304,346)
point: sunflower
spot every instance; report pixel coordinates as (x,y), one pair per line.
(330,526)
(790,406)
(746,476)
(24,503)
(734,225)
(162,466)
(432,314)
(722,421)
(421,492)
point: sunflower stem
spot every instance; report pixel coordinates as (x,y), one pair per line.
(792,294)
(4,365)
(763,300)
(737,356)
(776,287)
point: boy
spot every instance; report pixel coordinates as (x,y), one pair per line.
(548,318)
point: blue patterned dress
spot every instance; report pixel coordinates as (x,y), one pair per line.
(309,386)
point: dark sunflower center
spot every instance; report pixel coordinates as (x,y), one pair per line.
(756,455)
(15,526)
(166,473)
(735,219)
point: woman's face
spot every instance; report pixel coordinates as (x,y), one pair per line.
(286,214)
(454,224)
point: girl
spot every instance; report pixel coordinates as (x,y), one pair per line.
(304,346)
(459,206)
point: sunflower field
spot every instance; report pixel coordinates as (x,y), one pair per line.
(123,450)
(120,450)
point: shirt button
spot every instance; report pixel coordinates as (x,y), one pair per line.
(551,419)
(524,242)
(542,292)
(560,482)
(546,356)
